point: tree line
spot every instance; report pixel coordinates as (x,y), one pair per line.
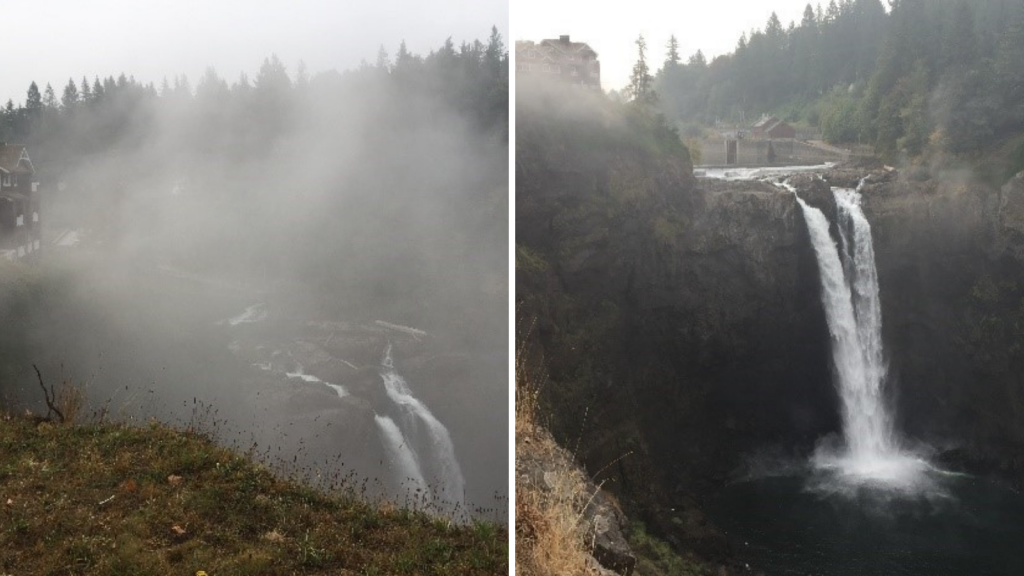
(236,119)
(914,76)
(386,183)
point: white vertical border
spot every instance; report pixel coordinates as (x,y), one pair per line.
(511,43)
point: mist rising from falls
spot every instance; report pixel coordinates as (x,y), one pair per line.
(849,294)
(426,438)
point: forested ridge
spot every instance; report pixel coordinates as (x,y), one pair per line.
(92,114)
(912,78)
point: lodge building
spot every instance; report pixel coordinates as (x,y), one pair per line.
(559,59)
(20,230)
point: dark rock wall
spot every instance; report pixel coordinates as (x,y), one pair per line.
(679,322)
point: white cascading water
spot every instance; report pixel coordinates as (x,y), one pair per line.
(427,437)
(400,454)
(849,293)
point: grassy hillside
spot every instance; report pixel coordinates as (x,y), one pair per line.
(116,499)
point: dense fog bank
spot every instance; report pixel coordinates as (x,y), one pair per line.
(346,211)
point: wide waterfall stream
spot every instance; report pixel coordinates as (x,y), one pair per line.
(867,502)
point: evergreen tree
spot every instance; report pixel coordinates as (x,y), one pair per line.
(182,87)
(69,99)
(33,100)
(272,76)
(211,86)
(774,27)
(301,76)
(672,58)
(383,61)
(86,90)
(640,81)
(403,58)
(49,98)
(832,12)
(243,86)
(809,20)
(495,50)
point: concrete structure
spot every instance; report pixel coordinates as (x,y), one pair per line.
(561,59)
(20,230)
(747,152)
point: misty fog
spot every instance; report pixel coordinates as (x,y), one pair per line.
(247,258)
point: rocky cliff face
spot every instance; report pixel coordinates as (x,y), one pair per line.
(678,320)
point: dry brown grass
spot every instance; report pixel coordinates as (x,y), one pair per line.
(550,539)
(69,399)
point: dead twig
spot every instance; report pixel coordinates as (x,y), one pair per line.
(50,397)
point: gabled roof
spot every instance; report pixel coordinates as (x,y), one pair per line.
(14,159)
(766,122)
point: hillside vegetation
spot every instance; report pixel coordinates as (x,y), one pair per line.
(117,499)
(936,80)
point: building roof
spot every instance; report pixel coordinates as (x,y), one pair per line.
(14,159)
(766,122)
(552,48)
(769,123)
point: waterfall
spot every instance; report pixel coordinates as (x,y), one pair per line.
(849,294)
(869,428)
(431,444)
(400,455)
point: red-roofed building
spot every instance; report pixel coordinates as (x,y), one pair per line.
(770,127)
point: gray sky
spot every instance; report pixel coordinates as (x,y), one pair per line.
(713,26)
(54,40)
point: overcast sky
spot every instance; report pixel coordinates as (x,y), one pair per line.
(713,26)
(53,40)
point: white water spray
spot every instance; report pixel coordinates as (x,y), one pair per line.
(849,294)
(431,443)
